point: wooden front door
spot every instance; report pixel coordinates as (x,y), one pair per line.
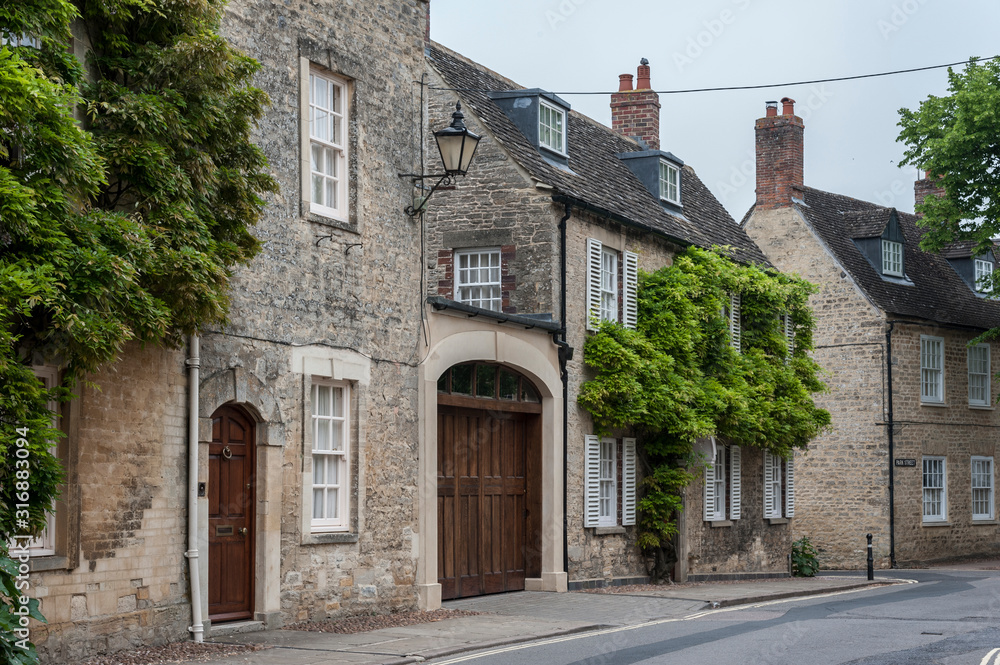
(231,490)
(483,500)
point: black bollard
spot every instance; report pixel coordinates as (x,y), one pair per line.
(871,560)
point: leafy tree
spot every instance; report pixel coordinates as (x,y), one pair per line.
(676,378)
(120,228)
(954,138)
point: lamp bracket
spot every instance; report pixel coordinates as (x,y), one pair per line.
(443,181)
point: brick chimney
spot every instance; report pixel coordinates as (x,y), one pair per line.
(779,155)
(636,113)
(926,186)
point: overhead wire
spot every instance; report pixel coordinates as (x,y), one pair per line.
(755,87)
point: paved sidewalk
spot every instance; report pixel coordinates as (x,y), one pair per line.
(519,617)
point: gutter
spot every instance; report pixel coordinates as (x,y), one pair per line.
(890,426)
(194,364)
(565,355)
(597,210)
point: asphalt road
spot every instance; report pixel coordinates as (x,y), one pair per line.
(948,617)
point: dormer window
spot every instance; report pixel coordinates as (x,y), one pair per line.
(670,182)
(551,127)
(892,258)
(543,119)
(984,270)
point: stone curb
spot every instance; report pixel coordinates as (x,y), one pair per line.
(451,651)
(749,600)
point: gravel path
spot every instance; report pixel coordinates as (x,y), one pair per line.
(178,652)
(362,624)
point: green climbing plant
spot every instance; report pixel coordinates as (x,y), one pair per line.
(676,378)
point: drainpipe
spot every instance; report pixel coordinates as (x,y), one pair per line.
(565,354)
(890,427)
(194,363)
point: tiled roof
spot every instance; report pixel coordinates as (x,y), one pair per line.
(597,176)
(936,291)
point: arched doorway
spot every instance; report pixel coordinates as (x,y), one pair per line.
(489,481)
(231,498)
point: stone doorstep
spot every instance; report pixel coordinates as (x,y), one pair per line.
(234,628)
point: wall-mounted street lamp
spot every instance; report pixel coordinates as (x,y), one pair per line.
(457,145)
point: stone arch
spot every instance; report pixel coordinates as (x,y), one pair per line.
(235,385)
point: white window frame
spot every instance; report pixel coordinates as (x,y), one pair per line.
(983,269)
(931,369)
(470,288)
(547,130)
(773,485)
(320,455)
(892,258)
(715,486)
(979,375)
(609,285)
(670,191)
(601,486)
(608,490)
(982,482)
(928,496)
(335,147)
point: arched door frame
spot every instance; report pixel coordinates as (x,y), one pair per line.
(533,356)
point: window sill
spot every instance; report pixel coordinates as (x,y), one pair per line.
(327,538)
(609,531)
(48,562)
(936,524)
(715,524)
(936,405)
(333,222)
(777,520)
(984,522)
(982,407)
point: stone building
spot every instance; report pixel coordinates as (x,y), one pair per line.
(305,406)
(547,231)
(910,458)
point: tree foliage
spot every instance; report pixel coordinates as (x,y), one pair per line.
(128,186)
(954,138)
(676,378)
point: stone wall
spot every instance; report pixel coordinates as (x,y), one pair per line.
(119,577)
(842,479)
(955,431)
(344,293)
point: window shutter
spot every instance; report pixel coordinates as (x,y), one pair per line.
(768,486)
(592,480)
(735,488)
(790,487)
(734,320)
(628,482)
(631,273)
(789,333)
(593,282)
(709,509)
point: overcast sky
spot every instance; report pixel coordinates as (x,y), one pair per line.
(850,138)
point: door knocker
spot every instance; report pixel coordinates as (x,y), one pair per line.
(227,453)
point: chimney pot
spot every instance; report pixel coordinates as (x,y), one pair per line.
(642,76)
(771,109)
(787,106)
(624,82)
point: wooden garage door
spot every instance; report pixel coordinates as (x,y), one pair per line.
(482,493)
